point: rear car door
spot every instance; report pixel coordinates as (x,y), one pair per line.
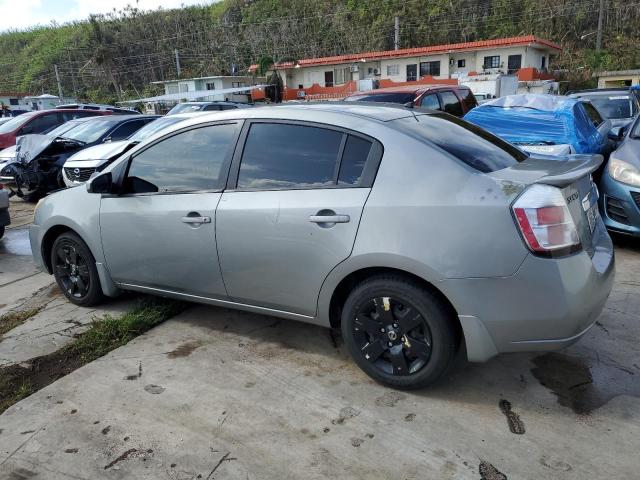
(159,232)
(291,210)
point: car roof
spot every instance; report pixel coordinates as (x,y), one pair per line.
(603,92)
(119,118)
(406,89)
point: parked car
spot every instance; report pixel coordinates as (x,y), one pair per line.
(620,185)
(8,155)
(617,104)
(96,106)
(38,122)
(80,166)
(545,124)
(39,158)
(345,215)
(5,219)
(453,99)
(188,107)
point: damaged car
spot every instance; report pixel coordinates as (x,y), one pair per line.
(37,167)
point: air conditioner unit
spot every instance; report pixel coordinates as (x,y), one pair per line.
(376,71)
(354,68)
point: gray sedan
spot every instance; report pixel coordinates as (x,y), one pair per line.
(416,233)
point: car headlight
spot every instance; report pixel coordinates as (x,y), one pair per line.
(624,172)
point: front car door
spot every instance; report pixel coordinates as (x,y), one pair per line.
(159,233)
(291,211)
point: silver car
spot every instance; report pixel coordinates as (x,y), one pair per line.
(417,233)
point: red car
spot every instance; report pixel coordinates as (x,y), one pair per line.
(454,99)
(39,122)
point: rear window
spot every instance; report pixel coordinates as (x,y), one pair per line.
(471,144)
(383,97)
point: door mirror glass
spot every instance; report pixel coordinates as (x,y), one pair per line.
(101,184)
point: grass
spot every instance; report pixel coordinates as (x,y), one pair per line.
(11,320)
(113,332)
(103,335)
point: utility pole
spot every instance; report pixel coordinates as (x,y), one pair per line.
(600,19)
(177,62)
(396,29)
(55,68)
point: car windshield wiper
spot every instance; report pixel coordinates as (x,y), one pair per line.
(72,140)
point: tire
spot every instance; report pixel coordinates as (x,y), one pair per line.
(417,327)
(74,269)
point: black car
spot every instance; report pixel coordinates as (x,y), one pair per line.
(37,168)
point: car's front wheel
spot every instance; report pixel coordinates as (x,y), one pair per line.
(74,269)
(398,332)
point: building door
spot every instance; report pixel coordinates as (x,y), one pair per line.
(328,79)
(514,63)
(412,73)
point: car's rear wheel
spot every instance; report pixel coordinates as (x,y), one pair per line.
(74,269)
(398,332)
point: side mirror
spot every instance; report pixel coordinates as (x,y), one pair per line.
(101,184)
(616,134)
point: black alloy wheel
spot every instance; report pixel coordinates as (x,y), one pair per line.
(399,332)
(74,269)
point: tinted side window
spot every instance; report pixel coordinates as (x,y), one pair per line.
(212,107)
(190,161)
(431,101)
(593,114)
(468,99)
(44,122)
(470,144)
(127,129)
(354,158)
(289,156)
(451,104)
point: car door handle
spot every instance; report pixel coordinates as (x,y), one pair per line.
(196,219)
(329,218)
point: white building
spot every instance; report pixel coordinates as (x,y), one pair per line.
(525,56)
(212,83)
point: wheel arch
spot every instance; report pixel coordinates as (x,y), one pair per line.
(46,245)
(342,279)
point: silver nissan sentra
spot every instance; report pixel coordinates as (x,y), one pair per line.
(415,232)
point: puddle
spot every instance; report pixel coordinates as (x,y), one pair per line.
(581,384)
(16,242)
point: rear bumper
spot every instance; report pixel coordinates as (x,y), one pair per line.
(548,304)
(620,206)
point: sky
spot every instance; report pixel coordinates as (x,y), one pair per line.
(21,14)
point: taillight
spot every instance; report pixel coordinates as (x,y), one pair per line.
(544,220)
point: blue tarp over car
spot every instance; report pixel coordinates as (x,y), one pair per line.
(536,119)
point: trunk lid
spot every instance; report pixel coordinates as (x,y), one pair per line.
(572,175)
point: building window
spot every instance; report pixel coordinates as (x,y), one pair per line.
(430,68)
(491,62)
(462,63)
(184,87)
(342,75)
(210,86)
(13,101)
(544,63)
(412,73)
(393,70)
(238,84)
(514,63)
(172,88)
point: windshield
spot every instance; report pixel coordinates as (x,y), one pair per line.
(16,122)
(613,106)
(383,97)
(185,108)
(60,129)
(153,127)
(88,132)
(471,144)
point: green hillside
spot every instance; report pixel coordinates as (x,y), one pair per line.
(116,56)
